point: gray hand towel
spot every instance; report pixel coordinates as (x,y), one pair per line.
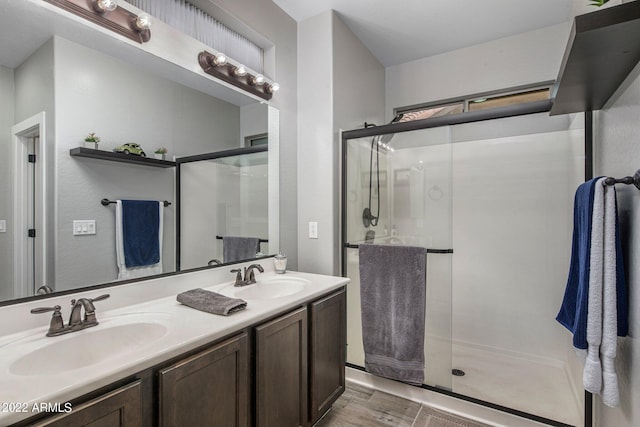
(211,302)
(392,296)
(239,248)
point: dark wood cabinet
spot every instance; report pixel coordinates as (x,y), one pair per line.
(281,371)
(327,352)
(210,388)
(286,372)
(119,408)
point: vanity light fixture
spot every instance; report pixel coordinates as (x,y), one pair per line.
(240,71)
(108,14)
(104,6)
(142,22)
(257,80)
(271,88)
(216,65)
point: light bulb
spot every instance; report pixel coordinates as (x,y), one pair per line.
(240,71)
(104,6)
(143,22)
(257,80)
(218,60)
(273,87)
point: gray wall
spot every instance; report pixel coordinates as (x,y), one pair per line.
(97,93)
(34,91)
(6,181)
(339,93)
(617,154)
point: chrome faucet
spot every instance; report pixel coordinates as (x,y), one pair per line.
(57,326)
(249,275)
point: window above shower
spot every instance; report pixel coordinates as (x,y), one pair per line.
(476,102)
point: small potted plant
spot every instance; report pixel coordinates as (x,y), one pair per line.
(91,141)
(160,153)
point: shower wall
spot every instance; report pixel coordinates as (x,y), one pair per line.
(500,194)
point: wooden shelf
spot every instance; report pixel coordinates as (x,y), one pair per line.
(120,157)
(603,48)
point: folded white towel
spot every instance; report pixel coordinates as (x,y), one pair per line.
(125,273)
(610,394)
(592,374)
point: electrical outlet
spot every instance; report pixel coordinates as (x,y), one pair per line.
(84,227)
(313,230)
(3,225)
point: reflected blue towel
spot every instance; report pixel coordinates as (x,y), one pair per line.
(573,312)
(140,230)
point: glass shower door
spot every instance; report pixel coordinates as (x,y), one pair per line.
(405,184)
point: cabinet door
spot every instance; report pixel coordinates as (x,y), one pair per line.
(328,336)
(281,371)
(210,388)
(119,408)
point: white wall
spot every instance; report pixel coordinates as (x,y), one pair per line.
(340,87)
(6,181)
(522,59)
(97,93)
(617,154)
(253,121)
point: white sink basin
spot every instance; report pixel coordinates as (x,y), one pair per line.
(87,347)
(271,288)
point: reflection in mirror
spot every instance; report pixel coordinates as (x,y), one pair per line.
(223,207)
(55,90)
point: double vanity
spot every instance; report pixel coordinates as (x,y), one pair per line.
(153,361)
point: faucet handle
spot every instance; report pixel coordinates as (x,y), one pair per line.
(46,309)
(100,298)
(239,281)
(56,327)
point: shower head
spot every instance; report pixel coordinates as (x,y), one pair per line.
(388,137)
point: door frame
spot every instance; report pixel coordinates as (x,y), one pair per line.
(20,133)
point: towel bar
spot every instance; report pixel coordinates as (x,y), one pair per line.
(429,251)
(261,240)
(107,202)
(635,180)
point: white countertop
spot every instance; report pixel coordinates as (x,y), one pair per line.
(186,329)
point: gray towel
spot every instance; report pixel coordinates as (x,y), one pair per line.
(239,248)
(392,296)
(211,302)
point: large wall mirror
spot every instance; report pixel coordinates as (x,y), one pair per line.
(62,78)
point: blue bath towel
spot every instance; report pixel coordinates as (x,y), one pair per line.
(140,229)
(573,312)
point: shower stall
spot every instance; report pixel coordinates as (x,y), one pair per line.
(490,195)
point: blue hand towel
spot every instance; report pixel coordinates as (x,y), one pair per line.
(573,312)
(140,229)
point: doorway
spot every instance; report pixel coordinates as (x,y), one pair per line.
(29,193)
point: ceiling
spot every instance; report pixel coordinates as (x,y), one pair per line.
(402,31)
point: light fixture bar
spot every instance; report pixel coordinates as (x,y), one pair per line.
(228,73)
(119,20)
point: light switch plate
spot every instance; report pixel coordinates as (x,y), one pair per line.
(313,230)
(84,227)
(3,225)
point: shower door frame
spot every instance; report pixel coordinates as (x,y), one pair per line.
(467,117)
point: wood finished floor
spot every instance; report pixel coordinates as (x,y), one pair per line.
(362,407)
